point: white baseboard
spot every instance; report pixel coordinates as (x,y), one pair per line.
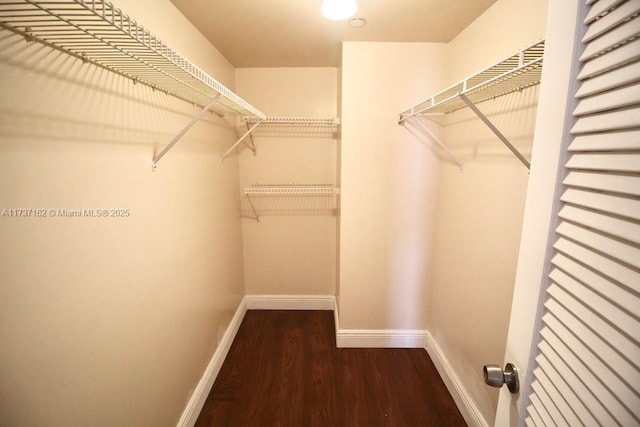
(290,302)
(465,403)
(376,338)
(385,338)
(199,396)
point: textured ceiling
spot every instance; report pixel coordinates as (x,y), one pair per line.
(293,33)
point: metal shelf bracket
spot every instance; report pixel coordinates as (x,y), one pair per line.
(184,130)
(495,130)
(241,139)
(434,137)
(255,212)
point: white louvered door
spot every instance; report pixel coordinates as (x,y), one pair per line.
(587,366)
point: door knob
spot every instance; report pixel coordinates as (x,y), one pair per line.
(496,377)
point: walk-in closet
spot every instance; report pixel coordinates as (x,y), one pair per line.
(268,213)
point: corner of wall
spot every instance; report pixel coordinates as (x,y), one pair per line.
(197,400)
(464,401)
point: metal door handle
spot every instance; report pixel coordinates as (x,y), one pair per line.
(496,377)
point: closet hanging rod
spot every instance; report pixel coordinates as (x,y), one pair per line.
(97,32)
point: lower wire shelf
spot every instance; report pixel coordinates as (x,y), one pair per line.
(324,191)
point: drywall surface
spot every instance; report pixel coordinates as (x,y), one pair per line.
(479,212)
(503,29)
(292,250)
(111,320)
(389,181)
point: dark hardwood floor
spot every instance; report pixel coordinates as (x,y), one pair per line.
(284,369)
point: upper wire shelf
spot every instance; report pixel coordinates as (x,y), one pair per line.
(291,190)
(289,126)
(98,32)
(516,72)
(294,121)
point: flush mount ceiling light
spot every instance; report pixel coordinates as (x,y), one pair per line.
(339,9)
(357,22)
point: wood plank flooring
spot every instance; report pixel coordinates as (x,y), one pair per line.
(284,369)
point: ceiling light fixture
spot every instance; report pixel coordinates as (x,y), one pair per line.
(357,22)
(339,9)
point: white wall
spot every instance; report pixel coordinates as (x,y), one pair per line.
(504,28)
(389,182)
(111,321)
(292,250)
(479,212)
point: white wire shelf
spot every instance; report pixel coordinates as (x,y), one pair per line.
(291,190)
(307,127)
(517,72)
(514,73)
(294,121)
(98,32)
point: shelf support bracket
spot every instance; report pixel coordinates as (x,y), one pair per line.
(433,136)
(495,130)
(255,212)
(189,125)
(404,116)
(246,134)
(251,145)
